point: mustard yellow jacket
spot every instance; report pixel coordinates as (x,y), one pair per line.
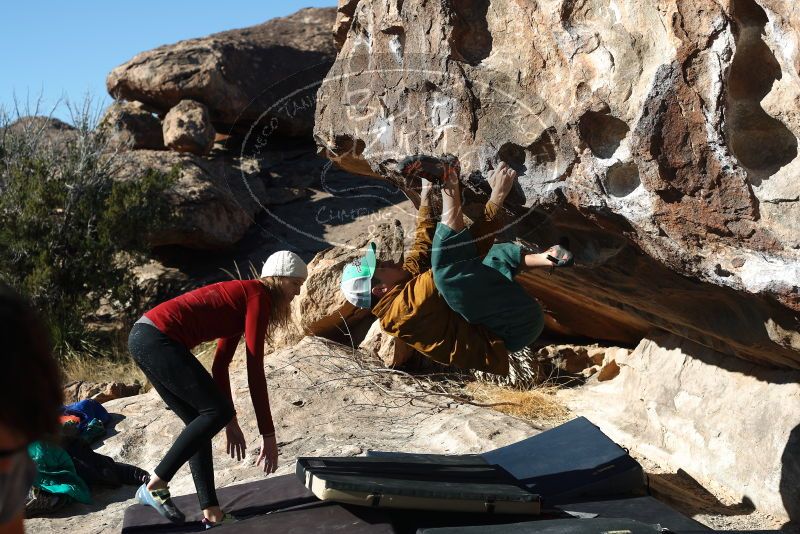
(416,313)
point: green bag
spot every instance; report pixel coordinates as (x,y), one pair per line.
(57,472)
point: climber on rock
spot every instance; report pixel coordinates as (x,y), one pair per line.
(454,298)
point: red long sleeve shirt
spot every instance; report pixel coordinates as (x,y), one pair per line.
(224,311)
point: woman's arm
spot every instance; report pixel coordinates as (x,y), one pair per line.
(220,370)
(255,330)
(256,322)
(226,347)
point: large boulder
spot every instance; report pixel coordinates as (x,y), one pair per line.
(153,284)
(264,72)
(39,123)
(131,125)
(157,282)
(661,137)
(187,128)
(732,425)
(46,133)
(213,202)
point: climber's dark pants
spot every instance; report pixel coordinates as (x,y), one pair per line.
(476,278)
(192,394)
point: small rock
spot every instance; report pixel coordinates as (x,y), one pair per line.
(569,358)
(132,126)
(187,128)
(597,355)
(589,371)
(609,371)
(101,392)
(393,352)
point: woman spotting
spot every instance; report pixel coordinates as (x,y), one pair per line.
(161,343)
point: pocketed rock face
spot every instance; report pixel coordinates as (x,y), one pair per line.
(661,137)
(239,74)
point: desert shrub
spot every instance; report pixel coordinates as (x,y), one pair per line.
(69,227)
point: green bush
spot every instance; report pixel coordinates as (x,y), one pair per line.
(69,230)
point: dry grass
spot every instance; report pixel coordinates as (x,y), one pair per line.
(92,369)
(205,353)
(538,405)
(121,368)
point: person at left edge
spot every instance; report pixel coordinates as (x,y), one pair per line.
(30,402)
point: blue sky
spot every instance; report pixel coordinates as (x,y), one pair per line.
(60,49)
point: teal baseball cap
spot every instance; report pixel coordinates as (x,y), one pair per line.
(357,278)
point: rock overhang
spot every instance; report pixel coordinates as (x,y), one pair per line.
(625,125)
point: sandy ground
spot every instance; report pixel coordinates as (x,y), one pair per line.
(715,509)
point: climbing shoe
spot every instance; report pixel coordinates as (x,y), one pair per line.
(430,168)
(226,519)
(560,255)
(161,501)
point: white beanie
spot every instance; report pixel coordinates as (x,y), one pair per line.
(285,263)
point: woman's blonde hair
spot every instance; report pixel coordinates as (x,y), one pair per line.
(280,312)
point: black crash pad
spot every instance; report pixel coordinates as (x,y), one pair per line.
(242,500)
(570,461)
(282,504)
(556,526)
(644,510)
(317,518)
(566,463)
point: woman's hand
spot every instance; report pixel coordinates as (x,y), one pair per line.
(269,454)
(236,444)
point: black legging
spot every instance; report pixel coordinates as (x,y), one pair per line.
(192,394)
